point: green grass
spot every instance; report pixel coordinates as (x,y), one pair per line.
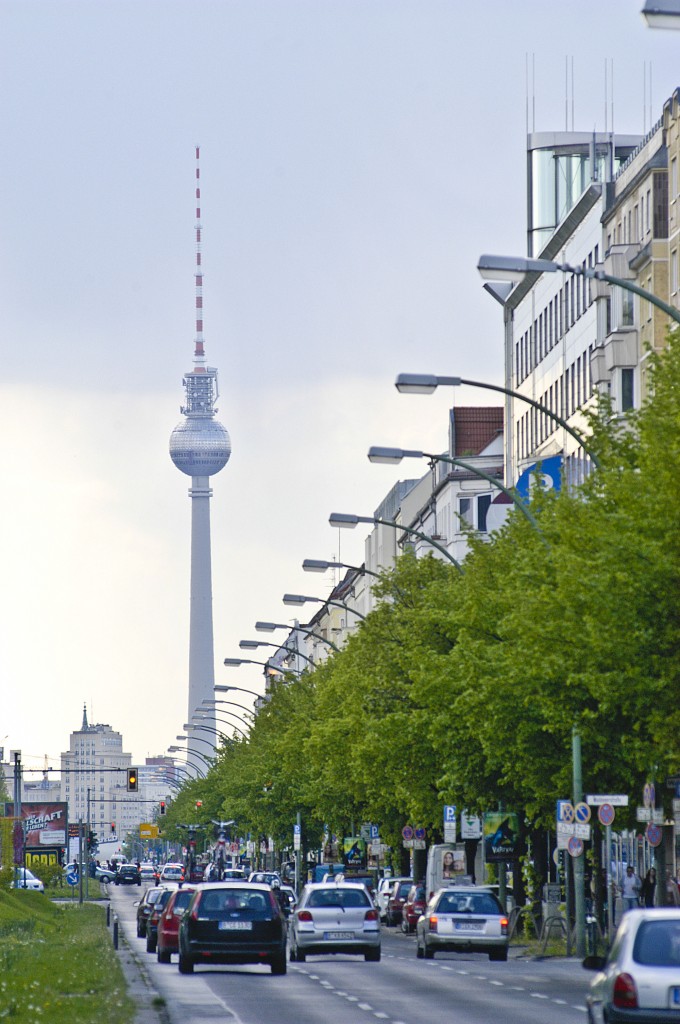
(57,964)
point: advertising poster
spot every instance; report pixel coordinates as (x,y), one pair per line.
(501,835)
(453,863)
(44,824)
(354,852)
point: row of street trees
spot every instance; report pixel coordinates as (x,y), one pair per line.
(464,688)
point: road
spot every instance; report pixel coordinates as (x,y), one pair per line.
(465,989)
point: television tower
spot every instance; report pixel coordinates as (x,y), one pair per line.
(200,447)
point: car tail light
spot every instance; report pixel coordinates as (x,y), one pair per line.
(432,923)
(304,915)
(371,915)
(504,926)
(625,993)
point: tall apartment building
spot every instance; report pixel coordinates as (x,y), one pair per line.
(94,778)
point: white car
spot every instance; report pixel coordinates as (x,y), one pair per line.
(385,887)
(639,979)
(147,871)
(334,917)
(172,873)
(25,879)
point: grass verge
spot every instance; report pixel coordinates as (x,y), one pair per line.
(57,963)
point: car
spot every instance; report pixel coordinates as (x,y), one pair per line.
(413,907)
(385,887)
(25,879)
(463,919)
(168,922)
(395,901)
(103,874)
(232,923)
(144,908)
(639,979)
(172,872)
(128,874)
(148,872)
(335,917)
(289,891)
(264,877)
(153,917)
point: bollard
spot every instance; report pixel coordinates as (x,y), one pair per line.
(108,915)
(115,931)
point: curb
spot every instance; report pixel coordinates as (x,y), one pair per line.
(150,1007)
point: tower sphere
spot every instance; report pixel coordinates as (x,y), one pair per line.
(200,446)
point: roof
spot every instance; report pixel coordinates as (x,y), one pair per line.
(474,427)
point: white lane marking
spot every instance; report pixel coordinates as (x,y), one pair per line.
(381,1016)
(517,988)
(560,1002)
(326,984)
(581,1008)
(365,1006)
(538,995)
(353,999)
(339,992)
(499,983)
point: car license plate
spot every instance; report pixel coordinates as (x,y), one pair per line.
(338,935)
(469,926)
(675,997)
(235,926)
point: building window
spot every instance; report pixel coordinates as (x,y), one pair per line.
(483,503)
(627,309)
(465,512)
(674,271)
(627,388)
(674,178)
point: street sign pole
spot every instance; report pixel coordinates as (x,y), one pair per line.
(579,880)
(80,860)
(610,889)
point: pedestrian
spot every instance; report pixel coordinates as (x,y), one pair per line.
(648,889)
(672,890)
(630,889)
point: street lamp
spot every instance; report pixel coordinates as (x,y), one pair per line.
(514,268)
(319,565)
(273,670)
(241,689)
(269,627)
(211,703)
(187,749)
(392,456)
(426,383)
(347,521)
(216,732)
(662,13)
(300,599)
(187,760)
(205,717)
(251,645)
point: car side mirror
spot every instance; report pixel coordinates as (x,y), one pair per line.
(594,963)
(136,903)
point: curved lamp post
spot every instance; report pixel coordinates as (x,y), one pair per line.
(269,627)
(203,716)
(211,703)
(347,521)
(395,455)
(188,750)
(300,599)
(251,645)
(241,689)
(426,383)
(320,565)
(235,662)
(200,768)
(216,732)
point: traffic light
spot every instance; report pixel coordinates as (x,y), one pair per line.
(199,804)
(132,782)
(113,826)
(162,806)
(92,843)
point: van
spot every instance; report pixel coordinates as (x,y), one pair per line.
(445,864)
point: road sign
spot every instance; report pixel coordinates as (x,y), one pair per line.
(72,877)
(419,834)
(566,829)
(375,831)
(449,813)
(582,813)
(643,814)
(407,833)
(648,794)
(617,800)
(575,846)
(450,831)
(606,814)
(470,826)
(565,811)
(297,836)
(654,834)
(672,781)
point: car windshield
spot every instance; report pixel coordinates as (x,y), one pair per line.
(657,943)
(404,889)
(354,897)
(215,902)
(468,903)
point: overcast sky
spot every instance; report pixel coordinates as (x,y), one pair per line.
(357,158)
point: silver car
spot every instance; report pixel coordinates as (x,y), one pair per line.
(639,980)
(335,917)
(464,919)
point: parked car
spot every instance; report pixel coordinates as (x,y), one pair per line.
(639,980)
(385,887)
(128,874)
(157,908)
(103,874)
(335,917)
(172,872)
(232,923)
(463,919)
(414,906)
(144,908)
(395,901)
(25,879)
(168,922)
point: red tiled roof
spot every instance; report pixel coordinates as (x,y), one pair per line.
(474,427)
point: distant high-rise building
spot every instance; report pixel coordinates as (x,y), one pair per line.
(200,447)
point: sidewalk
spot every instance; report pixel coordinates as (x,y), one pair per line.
(151,1007)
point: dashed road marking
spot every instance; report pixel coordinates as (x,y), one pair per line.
(365,1006)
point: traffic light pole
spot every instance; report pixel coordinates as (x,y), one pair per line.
(87,847)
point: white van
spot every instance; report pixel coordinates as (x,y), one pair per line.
(445,864)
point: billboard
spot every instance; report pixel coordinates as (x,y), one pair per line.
(44,824)
(501,835)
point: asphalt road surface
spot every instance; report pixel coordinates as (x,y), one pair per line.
(456,988)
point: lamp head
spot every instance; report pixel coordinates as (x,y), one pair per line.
(296,599)
(233,662)
(316,565)
(662,13)
(265,627)
(389,456)
(250,645)
(416,383)
(345,522)
(512,268)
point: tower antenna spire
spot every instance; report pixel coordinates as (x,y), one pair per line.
(199,351)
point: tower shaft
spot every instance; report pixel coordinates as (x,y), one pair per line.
(201,642)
